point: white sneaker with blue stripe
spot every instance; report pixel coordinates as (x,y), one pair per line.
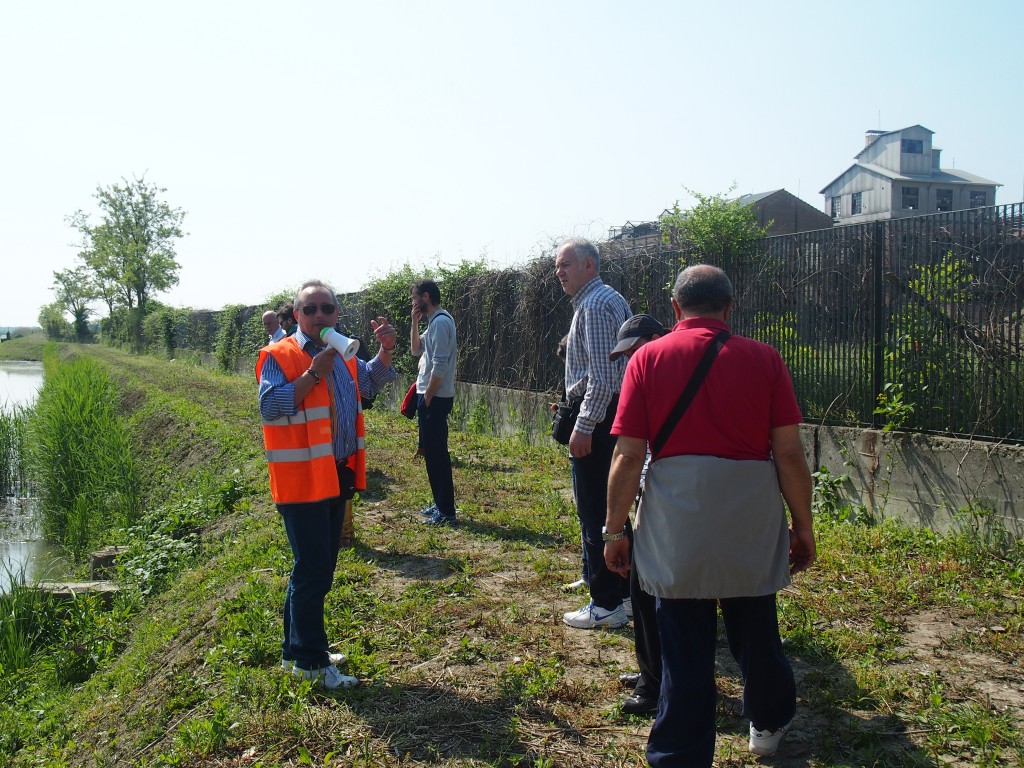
(591,616)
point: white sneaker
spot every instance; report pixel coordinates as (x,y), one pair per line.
(337,659)
(591,617)
(328,678)
(627,606)
(765,743)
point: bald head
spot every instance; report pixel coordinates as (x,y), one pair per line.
(702,290)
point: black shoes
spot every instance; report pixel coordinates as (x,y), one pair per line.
(629,679)
(636,704)
(639,705)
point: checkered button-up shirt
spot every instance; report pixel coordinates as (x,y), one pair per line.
(589,374)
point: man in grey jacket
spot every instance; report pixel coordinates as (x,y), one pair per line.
(435,389)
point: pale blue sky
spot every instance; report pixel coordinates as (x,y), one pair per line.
(339,139)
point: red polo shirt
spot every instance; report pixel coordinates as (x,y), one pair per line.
(747,393)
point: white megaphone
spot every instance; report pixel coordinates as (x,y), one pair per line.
(346,347)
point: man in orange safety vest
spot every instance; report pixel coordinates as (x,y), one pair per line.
(309,399)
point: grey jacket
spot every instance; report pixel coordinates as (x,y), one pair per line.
(439,353)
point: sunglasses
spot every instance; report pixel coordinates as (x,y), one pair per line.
(310,309)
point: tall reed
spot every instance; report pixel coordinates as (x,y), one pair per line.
(81,455)
(13,427)
(19,624)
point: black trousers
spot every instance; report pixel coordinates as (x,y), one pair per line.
(433,442)
(590,486)
(646,639)
(683,734)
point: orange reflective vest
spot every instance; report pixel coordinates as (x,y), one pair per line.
(299,448)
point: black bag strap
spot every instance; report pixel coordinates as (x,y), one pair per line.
(689,392)
(438,314)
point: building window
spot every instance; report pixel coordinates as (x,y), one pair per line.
(911,199)
(837,207)
(944,200)
(979,199)
(855,205)
(912,147)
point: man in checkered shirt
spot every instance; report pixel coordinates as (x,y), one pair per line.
(592,384)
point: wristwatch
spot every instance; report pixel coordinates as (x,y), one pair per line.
(612,536)
(315,375)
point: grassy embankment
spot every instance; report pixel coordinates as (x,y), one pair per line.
(903,641)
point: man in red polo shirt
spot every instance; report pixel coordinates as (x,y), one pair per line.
(711,529)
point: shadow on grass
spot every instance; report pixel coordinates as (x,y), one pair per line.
(513,533)
(407,565)
(476,464)
(378,484)
(437,723)
(836,723)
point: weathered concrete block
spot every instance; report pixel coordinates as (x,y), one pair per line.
(101,564)
(71,590)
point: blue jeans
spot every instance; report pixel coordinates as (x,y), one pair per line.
(433,444)
(683,734)
(314,533)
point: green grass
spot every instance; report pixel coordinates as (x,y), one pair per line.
(456,634)
(18,630)
(24,348)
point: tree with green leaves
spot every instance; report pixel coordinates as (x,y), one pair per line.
(718,230)
(51,320)
(131,251)
(75,291)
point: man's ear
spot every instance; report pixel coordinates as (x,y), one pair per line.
(677,310)
(728,310)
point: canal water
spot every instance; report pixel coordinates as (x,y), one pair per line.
(22,548)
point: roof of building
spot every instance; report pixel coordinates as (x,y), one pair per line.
(755,197)
(880,134)
(942,176)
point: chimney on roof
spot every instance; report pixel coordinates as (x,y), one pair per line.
(871,136)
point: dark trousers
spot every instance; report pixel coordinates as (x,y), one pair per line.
(683,734)
(646,638)
(590,487)
(433,444)
(314,533)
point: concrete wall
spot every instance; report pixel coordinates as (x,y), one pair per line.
(922,479)
(510,412)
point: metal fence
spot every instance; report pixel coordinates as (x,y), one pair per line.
(914,323)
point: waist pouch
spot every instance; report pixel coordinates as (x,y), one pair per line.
(563,420)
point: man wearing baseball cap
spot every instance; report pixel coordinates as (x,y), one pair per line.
(634,333)
(646,684)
